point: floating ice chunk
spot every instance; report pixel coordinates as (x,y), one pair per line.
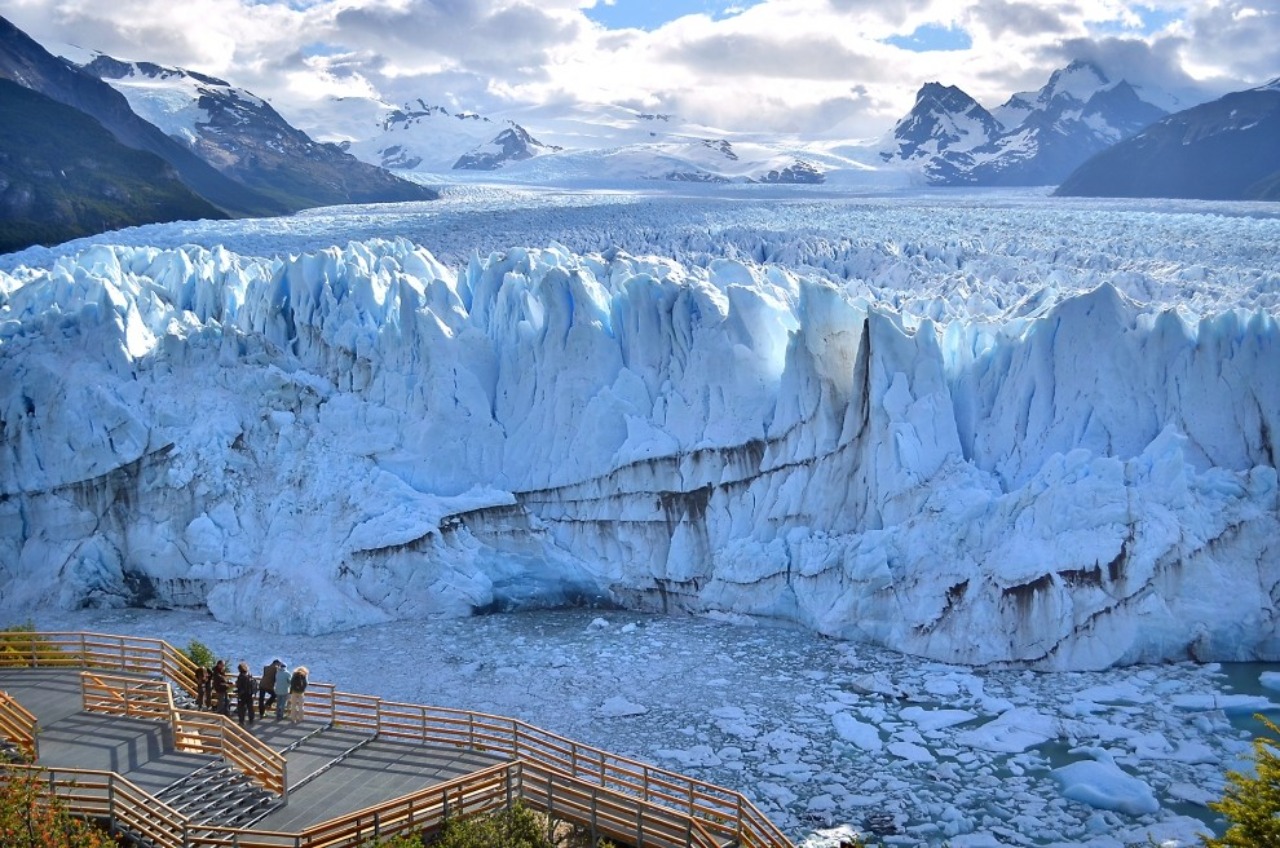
(864,735)
(911,752)
(1229,704)
(876,684)
(598,624)
(928,720)
(620,707)
(1105,786)
(1012,732)
(835,837)
(698,755)
(1270,680)
(975,840)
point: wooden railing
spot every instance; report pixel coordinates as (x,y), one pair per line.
(194,732)
(18,726)
(621,797)
(130,697)
(22,649)
(217,735)
(105,795)
(723,812)
(615,816)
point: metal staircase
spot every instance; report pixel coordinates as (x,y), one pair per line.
(218,794)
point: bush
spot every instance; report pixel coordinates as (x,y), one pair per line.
(199,653)
(1252,804)
(31,818)
(21,648)
(518,827)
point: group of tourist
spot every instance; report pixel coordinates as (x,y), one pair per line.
(277,688)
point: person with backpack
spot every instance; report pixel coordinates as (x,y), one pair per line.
(246,688)
(267,687)
(283,678)
(297,686)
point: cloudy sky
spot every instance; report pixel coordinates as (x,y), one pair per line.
(834,68)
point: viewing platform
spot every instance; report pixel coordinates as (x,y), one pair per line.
(102,716)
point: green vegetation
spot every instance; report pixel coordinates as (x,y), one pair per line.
(19,645)
(517,827)
(30,817)
(1252,804)
(199,653)
(63,175)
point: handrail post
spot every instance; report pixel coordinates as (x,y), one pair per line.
(737,829)
(595,797)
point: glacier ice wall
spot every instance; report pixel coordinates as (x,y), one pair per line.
(358,434)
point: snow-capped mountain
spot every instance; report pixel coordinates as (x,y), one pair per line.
(245,138)
(514,144)
(1228,149)
(579,142)
(63,175)
(32,66)
(940,132)
(1035,138)
(422,136)
(944,122)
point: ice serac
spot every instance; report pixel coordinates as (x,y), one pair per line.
(360,433)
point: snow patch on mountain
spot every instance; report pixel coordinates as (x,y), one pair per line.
(1034,138)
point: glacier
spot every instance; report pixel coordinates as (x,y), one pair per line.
(977,431)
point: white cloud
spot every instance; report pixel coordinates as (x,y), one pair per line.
(777,65)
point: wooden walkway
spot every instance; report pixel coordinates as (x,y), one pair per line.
(99,711)
(331,772)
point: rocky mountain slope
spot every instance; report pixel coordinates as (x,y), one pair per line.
(245,138)
(1228,149)
(63,175)
(28,64)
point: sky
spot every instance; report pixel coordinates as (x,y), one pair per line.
(814,68)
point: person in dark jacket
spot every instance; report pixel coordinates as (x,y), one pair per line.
(202,688)
(267,687)
(220,687)
(246,688)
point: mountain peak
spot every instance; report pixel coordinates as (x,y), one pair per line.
(1079,80)
(513,144)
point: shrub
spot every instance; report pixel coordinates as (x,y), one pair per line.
(518,827)
(30,817)
(199,653)
(20,647)
(1252,804)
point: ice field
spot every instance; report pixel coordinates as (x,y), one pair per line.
(1015,453)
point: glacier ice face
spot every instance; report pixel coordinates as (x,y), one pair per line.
(350,435)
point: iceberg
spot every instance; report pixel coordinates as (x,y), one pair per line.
(359,434)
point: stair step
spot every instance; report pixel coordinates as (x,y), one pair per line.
(217,794)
